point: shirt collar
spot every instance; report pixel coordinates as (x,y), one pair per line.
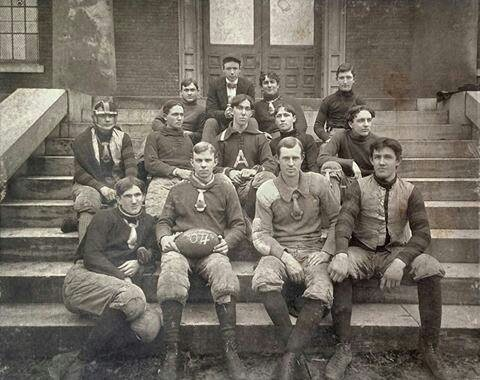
(234,82)
(286,191)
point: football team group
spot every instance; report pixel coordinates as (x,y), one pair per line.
(321,216)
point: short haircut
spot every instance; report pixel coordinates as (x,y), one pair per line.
(355,110)
(288,108)
(231,59)
(386,142)
(344,67)
(237,99)
(271,75)
(169,104)
(204,146)
(187,82)
(127,183)
(289,143)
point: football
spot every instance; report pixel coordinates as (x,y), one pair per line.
(196,242)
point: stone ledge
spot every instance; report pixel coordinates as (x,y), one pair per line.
(21,68)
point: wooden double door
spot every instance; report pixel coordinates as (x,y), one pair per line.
(283,36)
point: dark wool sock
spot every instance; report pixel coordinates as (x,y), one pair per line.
(342,309)
(227,316)
(278,312)
(430,307)
(172,316)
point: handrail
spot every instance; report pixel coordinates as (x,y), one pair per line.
(472,107)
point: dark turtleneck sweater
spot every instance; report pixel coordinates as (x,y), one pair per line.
(333,111)
(222,215)
(310,148)
(345,147)
(166,150)
(105,247)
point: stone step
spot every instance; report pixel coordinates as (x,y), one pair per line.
(50,213)
(40,282)
(59,187)
(139,115)
(403,132)
(410,167)
(411,148)
(50,244)
(42,330)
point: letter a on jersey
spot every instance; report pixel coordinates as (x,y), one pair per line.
(240,159)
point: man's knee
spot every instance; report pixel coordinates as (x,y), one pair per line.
(261,178)
(147,325)
(424,266)
(221,276)
(87,199)
(211,129)
(173,282)
(268,275)
(131,301)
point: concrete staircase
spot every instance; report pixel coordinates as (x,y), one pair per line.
(440,158)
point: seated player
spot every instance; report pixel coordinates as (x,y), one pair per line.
(351,147)
(244,153)
(287,231)
(109,260)
(373,240)
(167,157)
(286,123)
(102,154)
(209,201)
(265,108)
(332,112)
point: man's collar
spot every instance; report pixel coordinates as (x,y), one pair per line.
(385,184)
(286,191)
(234,82)
(230,131)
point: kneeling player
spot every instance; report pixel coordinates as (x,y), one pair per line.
(208,201)
(110,258)
(373,240)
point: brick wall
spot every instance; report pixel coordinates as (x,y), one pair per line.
(9,82)
(379,42)
(146,47)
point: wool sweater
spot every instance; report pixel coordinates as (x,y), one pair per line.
(105,247)
(166,150)
(222,215)
(266,120)
(274,227)
(88,170)
(378,214)
(345,147)
(244,150)
(310,148)
(333,110)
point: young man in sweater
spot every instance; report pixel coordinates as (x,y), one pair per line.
(118,244)
(287,232)
(373,239)
(332,112)
(205,200)
(167,157)
(265,108)
(286,122)
(219,99)
(244,153)
(351,147)
(103,154)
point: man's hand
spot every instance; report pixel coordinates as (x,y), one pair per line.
(130,267)
(318,258)
(228,112)
(235,176)
(144,255)
(168,243)
(108,193)
(294,269)
(393,275)
(188,133)
(221,247)
(182,173)
(248,173)
(356,170)
(338,268)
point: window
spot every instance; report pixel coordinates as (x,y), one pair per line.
(19,31)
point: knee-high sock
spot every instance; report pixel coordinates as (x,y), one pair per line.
(227,317)
(111,323)
(278,312)
(430,307)
(172,316)
(342,309)
(84,220)
(312,313)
